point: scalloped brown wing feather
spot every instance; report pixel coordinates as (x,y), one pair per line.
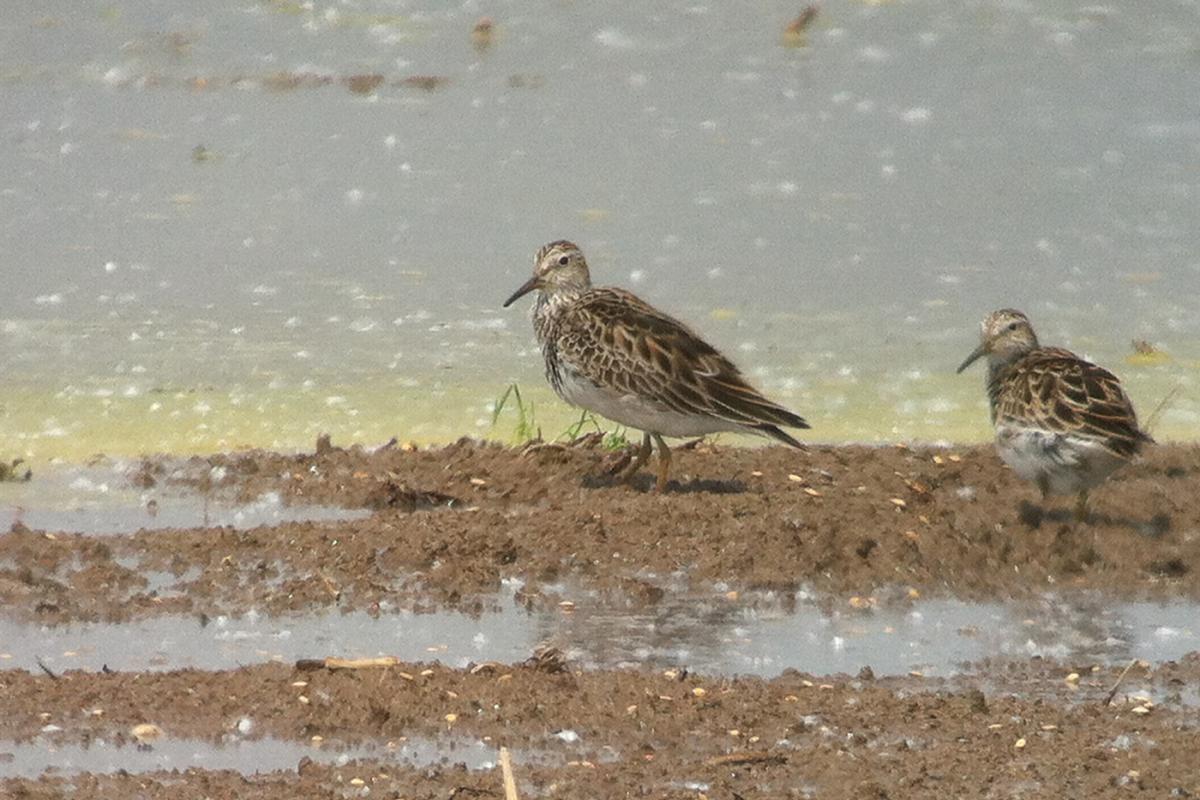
(619,341)
(1056,390)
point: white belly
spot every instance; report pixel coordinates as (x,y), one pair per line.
(1062,463)
(634,412)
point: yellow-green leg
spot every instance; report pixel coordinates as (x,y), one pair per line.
(639,460)
(664,464)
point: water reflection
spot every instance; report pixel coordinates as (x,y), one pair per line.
(757,635)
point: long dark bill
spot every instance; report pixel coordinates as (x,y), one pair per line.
(527,287)
(979,351)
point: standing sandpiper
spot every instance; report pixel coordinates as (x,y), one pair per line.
(1062,422)
(610,352)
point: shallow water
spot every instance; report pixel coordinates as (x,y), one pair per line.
(99,499)
(708,634)
(247,756)
(210,240)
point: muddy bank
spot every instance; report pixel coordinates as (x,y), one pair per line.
(451,523)
(631,733)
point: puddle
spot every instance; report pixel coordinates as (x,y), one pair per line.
(709,634)
(100,500)
(31,759)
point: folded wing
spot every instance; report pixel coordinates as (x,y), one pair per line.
(1055,390)
(619,342)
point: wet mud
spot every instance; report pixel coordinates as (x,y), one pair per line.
(451,524)
(773,556)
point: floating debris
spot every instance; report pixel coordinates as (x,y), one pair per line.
(794,33)
(1146,354)
(483,34)
(363,84)
(427,83)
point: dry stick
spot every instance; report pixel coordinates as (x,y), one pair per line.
(510,784)
(334,663)
(1108,700)
(45,669)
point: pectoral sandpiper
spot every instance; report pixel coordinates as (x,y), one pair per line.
(1061,421)
(610,352)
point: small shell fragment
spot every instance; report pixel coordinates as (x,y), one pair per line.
(146,732)
(1020,743)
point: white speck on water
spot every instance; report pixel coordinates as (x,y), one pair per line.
(48,299)
(917,115)
(873,54)
(292,322)
(837,643)
(637,80)
(363,324)
(614,38)
(888,170)
(1062,38)
(265,291)
(110,266)
(841,98)
(301,354)
(637,276)
(928,38)
(716,272)
(1164,632)
(85,484)
(389,141)
(202,408)
(335,400)
(788,188)
(354,197)
(480,640)
(1044,246)
(864,106)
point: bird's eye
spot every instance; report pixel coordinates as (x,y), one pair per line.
(562,261)
(1012,326)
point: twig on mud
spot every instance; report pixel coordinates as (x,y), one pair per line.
(1113,692)
(45,669)
(334,663)
(753,757)
(510,783)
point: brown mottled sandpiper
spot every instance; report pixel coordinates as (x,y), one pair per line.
(612,353)
(1061,421)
